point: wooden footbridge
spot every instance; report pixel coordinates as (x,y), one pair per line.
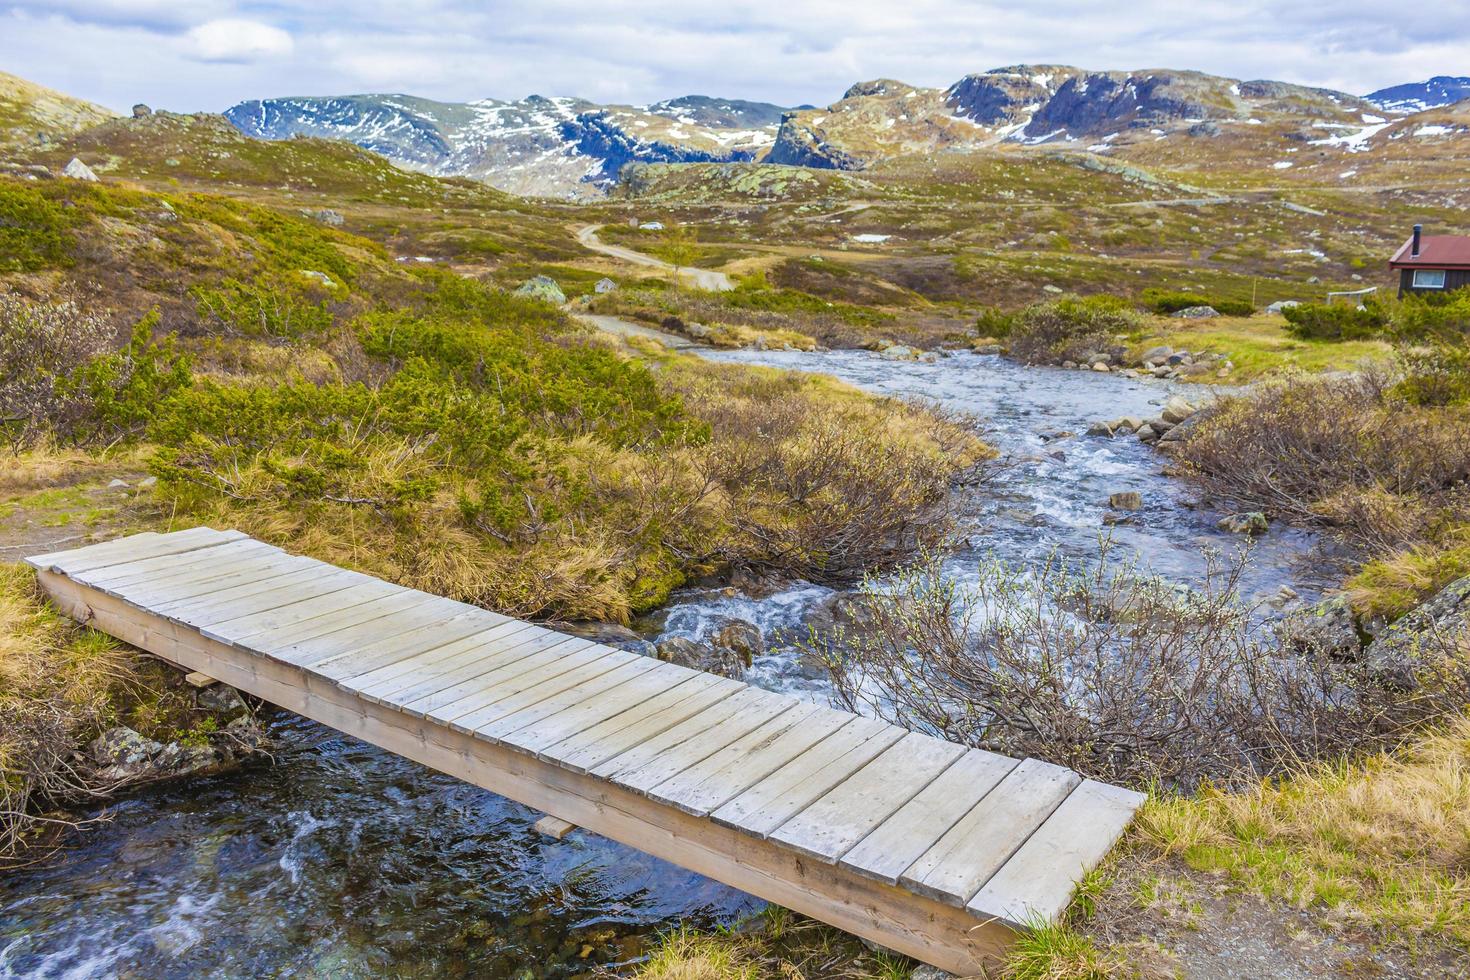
(926,847)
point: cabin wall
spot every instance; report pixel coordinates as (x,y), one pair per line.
(1453,279)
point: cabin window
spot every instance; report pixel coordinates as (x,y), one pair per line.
(1428,278)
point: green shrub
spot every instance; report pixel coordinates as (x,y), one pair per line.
(263,308)
(1335,321)
(121,391)
(1071,328)
(34,229)
(994,322)
(1433,316)
(1164,302)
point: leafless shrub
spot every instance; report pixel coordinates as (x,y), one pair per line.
(1342,452)
(1116,675)
(40,346)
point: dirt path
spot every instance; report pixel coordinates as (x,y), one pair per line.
(700,278)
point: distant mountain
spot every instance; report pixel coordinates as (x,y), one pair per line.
(1052,105)
(1419,96)
(573,147)
(536,145)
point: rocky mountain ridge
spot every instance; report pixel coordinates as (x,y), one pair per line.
(573,147)
(1419,96)
(536,145)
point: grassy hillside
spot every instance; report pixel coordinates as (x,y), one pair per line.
(33,116)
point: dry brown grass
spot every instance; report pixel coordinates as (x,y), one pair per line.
(1384,843)
(58,686)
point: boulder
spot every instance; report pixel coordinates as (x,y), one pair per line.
(1197,313)
(605,286)
(222,699)
(1100,429)
(1282,304)
(1176,410)
(744,638)
(1101,367)
(543,288)
(1401,652)
(1251,522)
(1181,430)
(328,217)
(898,352)
(123,748)
(1147,433)
(1328,629)
(696,656)
(1126,500)
(77,170)
(1157,354)
(141,111)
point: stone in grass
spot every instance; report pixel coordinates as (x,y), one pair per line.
(543,288)
(1126,500)
(1252,523)
(1197,313)
(77,170)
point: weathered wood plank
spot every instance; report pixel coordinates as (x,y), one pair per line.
(849,811)
(149,544)
(643,768)
(284,607)
(356,656)
(580,718)
(571,666)
(470,687)
(425,658)
(220,558)
(976,847)
(272,589)
(1037,883)
(337,619)
(706,785)
(640,722)
(899,841)
(795,786)
(629,668)
(176,590)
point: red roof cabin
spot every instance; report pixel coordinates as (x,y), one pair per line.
(1432,263)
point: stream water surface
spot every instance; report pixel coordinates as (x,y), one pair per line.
(342,860)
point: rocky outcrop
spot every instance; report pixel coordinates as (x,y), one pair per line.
(1415,641)
(122,756)
(1328,629)
(1251,523)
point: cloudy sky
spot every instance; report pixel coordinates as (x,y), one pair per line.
(209,54)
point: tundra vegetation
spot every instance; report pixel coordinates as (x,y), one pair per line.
(291,380)
(297,339)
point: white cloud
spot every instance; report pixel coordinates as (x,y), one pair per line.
(237,41)
(213,53)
